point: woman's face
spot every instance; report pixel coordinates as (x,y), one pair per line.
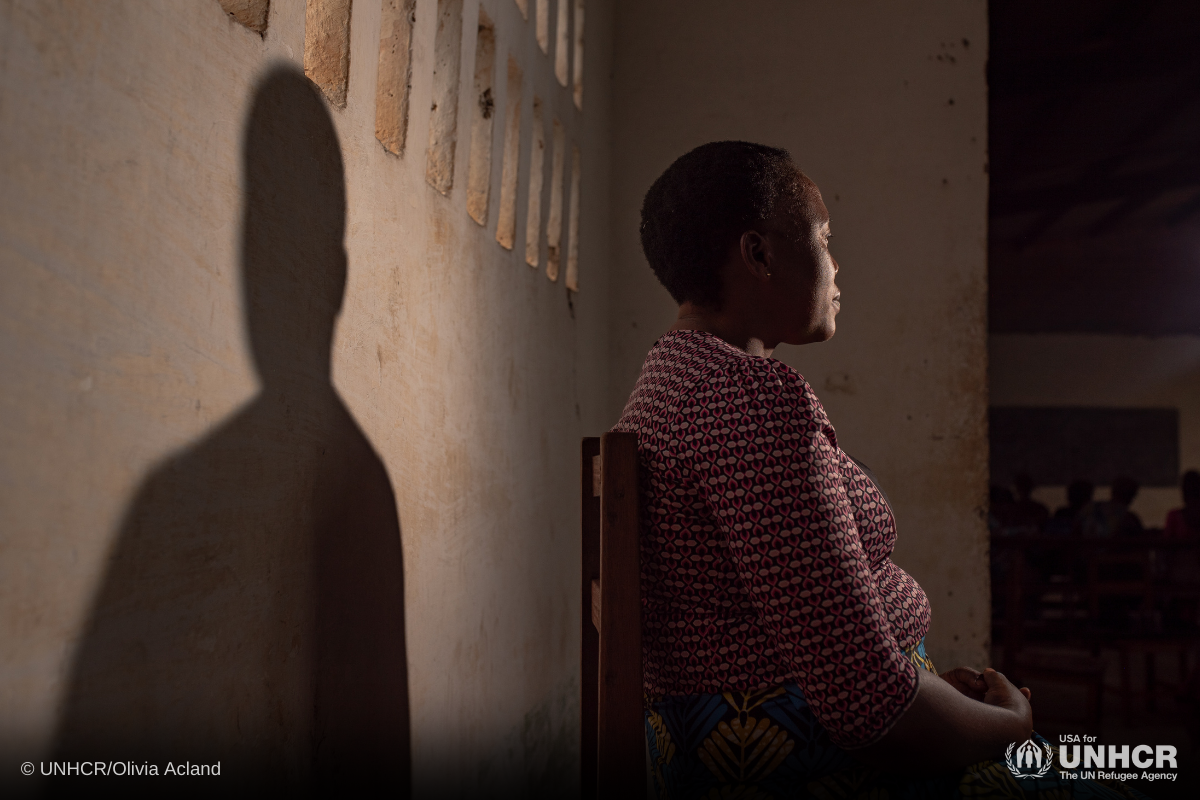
(803,296)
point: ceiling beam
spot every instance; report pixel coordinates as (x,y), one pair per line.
(1061,199)
(1070,74)
(1041,157)
(1102,171)
(1123,211)
(1185,210)
(1120,26)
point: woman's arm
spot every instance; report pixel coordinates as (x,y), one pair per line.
(769,468)
(944,729)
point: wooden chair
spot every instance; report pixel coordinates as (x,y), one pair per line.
(1086,672)
(613,741)
(1150,646)
(1083,671)
(1116,568)
(1134,580)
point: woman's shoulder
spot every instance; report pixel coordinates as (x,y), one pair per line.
(695,381)
(698,376)
(703,357)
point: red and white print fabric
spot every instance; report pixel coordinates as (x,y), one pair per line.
(765,549)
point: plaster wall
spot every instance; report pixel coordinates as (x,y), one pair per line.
(1104,371)
(461,383)
(884,105)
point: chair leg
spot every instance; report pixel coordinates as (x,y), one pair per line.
(1126,709)
(1150,682)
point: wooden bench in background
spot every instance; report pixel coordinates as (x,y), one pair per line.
(1095,569)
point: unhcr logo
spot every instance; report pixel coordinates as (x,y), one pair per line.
(1031,760)
(1143,756)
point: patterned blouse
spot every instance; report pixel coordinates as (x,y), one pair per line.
(765,548)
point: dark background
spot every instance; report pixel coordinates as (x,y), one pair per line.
(1059,445)
(1095,169)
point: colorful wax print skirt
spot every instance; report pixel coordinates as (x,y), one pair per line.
(768,744)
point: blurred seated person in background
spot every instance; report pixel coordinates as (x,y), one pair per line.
(1079,497)
(1186,521)
(1183,566)
(1113,517)
(1001,509)
(1028,514)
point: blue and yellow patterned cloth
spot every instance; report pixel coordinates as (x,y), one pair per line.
(769,744)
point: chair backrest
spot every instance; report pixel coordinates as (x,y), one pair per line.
(613,745)
(1132,578)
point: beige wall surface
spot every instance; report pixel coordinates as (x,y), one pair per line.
(1092,370)
(199,500)
(884,105)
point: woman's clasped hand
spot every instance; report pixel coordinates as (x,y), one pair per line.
(957,719)
(988,686)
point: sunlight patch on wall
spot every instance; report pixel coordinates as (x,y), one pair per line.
(394,82)
(554,224)
(251,13)
(542,24)
(572,279)
(577,72)
(479,167)
(537,164)
(327,47)
(561,40)
(443,120)
(506,227)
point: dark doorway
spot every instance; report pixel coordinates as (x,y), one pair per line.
(1094,229)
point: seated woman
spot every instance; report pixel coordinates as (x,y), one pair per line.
(1186,521)
(1112,517)
(783,650)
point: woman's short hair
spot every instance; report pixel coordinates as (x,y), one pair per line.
(703,203)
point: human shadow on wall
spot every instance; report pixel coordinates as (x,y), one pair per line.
(253,608)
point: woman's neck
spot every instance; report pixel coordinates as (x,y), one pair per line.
(696,318)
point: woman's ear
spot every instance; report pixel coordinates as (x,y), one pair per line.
(756,254)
